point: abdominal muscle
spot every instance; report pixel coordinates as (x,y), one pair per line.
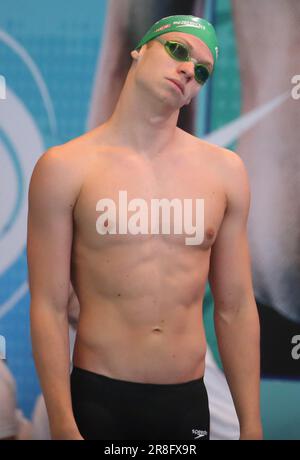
(153,354)
(143,324)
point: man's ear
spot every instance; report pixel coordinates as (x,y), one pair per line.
(135,54)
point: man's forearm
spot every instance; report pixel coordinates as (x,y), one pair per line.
(238,335)
(50,343)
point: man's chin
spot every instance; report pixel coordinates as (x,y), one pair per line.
(171,103)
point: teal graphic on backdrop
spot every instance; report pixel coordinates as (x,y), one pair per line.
(48,63)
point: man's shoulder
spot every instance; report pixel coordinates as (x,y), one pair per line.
(231,171)
(69,150)
(67,158)
(60,169)
(220,153)
(224,158)
(216,151)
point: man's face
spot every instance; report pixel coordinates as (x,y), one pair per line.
(172,81)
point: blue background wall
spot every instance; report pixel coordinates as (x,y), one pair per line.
(48,56)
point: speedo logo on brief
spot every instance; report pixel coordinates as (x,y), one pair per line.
(139,222)
(199,434)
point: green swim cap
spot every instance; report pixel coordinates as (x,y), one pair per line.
(188,24)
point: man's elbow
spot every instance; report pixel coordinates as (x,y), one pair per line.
(228,310)
(44,307)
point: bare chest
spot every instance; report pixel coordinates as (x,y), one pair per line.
(132,200)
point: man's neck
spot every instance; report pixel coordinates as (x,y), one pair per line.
(142,122)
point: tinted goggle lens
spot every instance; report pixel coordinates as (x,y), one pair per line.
(181,53)
(201,73)
(178,51)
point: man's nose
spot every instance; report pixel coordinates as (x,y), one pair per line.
(187,68)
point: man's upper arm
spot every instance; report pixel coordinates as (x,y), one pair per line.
(49,238)
(230,271)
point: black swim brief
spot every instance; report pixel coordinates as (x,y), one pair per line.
(111,409)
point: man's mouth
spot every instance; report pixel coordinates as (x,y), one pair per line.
(178,84)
